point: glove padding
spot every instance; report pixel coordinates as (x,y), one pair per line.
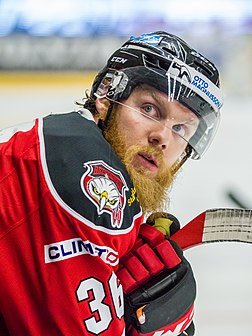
(159,286)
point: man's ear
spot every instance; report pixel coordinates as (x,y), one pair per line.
(102,105)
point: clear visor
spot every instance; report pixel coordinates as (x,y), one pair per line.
(198,126)
(183,125)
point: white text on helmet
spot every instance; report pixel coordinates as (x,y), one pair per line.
(202,85)
(119,60)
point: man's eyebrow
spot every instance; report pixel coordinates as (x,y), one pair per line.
(154,95)
(161,101)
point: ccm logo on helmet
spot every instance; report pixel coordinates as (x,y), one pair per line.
(119,60)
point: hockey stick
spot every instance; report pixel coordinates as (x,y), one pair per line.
(216,225)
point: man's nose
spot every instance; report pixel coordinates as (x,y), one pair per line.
(160,136)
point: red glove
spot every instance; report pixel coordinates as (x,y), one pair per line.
(159,286)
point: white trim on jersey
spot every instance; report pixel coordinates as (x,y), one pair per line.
(7,133)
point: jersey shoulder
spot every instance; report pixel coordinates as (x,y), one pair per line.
(88,177)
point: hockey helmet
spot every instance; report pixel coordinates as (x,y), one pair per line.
(169,64)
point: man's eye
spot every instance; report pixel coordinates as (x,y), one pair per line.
(149,109)
(179,129)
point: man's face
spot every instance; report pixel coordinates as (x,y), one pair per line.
(147,147)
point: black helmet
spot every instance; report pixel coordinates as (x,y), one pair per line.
(169,64)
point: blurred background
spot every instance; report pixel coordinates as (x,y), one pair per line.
(50,51)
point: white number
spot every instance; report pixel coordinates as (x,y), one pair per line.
(97,305)
(117,295)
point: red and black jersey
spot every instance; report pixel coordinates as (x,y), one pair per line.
(68,212)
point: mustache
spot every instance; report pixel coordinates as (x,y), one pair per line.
(152,191)
(153,152)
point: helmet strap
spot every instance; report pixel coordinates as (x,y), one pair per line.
(187,153)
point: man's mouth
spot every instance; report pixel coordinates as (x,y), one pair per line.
(148,161)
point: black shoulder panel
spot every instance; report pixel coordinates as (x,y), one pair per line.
(86,173)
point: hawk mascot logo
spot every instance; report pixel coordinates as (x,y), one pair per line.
(105,187)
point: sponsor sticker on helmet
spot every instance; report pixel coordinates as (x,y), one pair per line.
(151,39)
(197,82)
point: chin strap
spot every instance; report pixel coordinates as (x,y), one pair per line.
(187,153)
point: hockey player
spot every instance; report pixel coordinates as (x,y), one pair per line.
(74,189)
